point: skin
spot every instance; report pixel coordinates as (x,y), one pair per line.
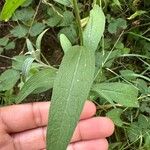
(23,127)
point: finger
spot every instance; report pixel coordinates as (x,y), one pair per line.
(32,139)
(90,129)
(23,117)
(99,144)
(94,128)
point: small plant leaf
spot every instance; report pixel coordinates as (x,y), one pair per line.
(117,24)
(27,66)
(4,41)
(8,79)
(39,39)
(24,14)
(19,31)
(115,114)
(65,43)
(117,2)
(137,13)
(10,45)
(9,8)
(94,29)
(64,2)
(18,61)
(37,28)
(30,46)
(121,93)
(71,89)
(43,79)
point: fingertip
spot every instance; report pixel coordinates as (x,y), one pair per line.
(89,110)
(107,125)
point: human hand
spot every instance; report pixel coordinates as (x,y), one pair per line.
(23,127)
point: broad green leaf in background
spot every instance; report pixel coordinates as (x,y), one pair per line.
(10,45)
(43,79)
(37,28)
(24,14)
(9,8)
(64,2)
(19,31)
(71,89)
(117,2)
(18,61)
(134,132)
(140,128)
(95,28)
(67,19)
(70,33)
(26,3)
(4,41)
(115,114)
(130,75)
(117,24)
(8,79)
(120,93)
(53,21)
(65,43)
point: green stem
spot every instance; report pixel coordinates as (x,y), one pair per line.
(78,20)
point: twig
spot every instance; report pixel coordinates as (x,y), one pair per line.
(78,20)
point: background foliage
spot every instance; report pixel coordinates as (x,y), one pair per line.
(122,56)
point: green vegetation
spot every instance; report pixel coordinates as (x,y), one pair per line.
(62,44)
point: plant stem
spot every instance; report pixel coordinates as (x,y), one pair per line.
(78,20)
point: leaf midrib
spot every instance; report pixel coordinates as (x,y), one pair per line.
(69,93)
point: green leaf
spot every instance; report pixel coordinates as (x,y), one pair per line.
(117,2)
(137,13)
(1,50)
(37,28)
(26,3)
(67,18)
(128,74)
(4,41)
(27,66)
(71,89)
(54,20)
(94,29)
(116,24)
(70,32)
(121,93)
(43,79)
(24,14)
(19,31)
(115,114)
(10,45)
(131,75)
(18,62)
(134,132)
(64,2)
(30,46)
(140,128)
(65,43)
(39,39)
(8,79)
(9,8)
